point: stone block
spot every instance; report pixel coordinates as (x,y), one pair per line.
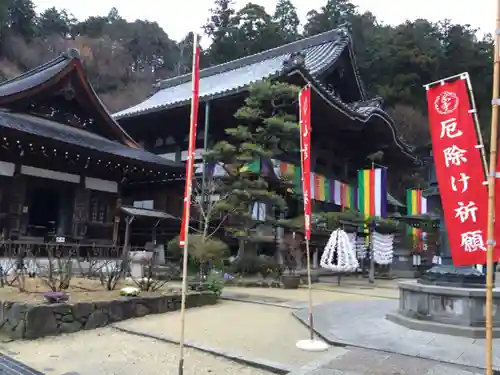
(82,310)
(434,307)
(40,321)
(97,319)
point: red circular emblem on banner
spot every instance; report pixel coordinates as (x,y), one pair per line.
(446,102)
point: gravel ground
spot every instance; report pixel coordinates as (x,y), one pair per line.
(253,331)
(107,351)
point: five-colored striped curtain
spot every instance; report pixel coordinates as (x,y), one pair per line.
(372,192)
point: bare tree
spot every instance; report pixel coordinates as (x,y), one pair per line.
(209,201)
(58,270)
(112,272)
(412,124)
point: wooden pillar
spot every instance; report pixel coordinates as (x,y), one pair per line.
(17,199)
(80,211)
(116,221)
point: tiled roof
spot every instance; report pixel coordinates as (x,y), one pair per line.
(320,51)
(79,137)
(34,77)
(42,78)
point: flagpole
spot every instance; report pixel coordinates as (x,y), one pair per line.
(495,102)
(473,110)
(305,126)
(371,272)
(188,193)
(308,265)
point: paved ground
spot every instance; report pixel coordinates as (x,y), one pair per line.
(322,293)
(363,324)
(256,332)
(107,351)
(358,361)
(262,330)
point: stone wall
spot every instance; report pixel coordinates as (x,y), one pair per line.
(24,321)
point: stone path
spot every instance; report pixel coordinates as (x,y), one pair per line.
(264,300)
(106,351)
(363,324)
(293,298)
(358,361)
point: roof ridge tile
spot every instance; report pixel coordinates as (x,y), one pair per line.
(297,46)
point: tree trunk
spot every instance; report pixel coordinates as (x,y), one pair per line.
(241,248)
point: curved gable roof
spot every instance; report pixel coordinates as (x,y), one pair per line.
(44,77)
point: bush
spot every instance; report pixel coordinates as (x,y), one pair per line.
(202,251)
(269,267)
(215,283)
(253,264)
(246,265)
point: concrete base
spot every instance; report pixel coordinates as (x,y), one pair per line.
(312,345)
(445,309)
(445,329)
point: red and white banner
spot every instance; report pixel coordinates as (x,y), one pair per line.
(192,141)
(305,148)
(459,171)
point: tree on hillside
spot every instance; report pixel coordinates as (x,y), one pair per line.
(55,22)
(287,21)
(267,127)
(21,18)
(220,29)
(256,30)
(330,16)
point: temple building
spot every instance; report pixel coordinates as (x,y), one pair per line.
(347,125)
(66,166)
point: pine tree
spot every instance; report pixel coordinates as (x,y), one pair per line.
(267,127)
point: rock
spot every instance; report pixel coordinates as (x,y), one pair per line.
(141,310)
(116,311)
(40,321)
(20,331)
(128,308)
(82,310)
(98,318)
(130,291)
(70,327)
(61,309)
(67,318)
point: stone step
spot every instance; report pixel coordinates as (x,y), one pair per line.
(9,366)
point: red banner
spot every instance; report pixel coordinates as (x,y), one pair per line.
(192,142)
(459,172)
(305,147)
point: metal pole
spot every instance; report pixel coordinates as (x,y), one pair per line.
(491,198)
(427,85)
(187,211)
(205,147)
(309,293)
(476,121)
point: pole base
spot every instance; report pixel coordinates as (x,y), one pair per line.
(312,345)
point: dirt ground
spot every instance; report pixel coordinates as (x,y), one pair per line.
(81,289)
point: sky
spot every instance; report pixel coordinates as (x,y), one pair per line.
(183,16)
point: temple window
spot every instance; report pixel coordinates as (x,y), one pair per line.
(98,208)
